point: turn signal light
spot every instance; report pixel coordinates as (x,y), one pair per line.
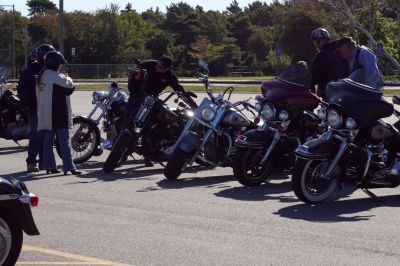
(256,120)
(240,137)
(176,100)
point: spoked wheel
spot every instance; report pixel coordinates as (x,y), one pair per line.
(308,183)
(10,238)
(247,168)
(84,140)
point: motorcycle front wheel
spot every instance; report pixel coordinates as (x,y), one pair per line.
(84,140)
(11,238)
(175,164)
(307,183)
(121,146)
(247,168)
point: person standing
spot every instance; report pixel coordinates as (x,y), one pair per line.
(54,112)
(327,64)
(27,94)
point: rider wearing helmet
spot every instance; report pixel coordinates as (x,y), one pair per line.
(327,64)
(54,111)
(27,94)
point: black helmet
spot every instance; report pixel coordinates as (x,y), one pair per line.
(53,59)
(42,49)
(320,33)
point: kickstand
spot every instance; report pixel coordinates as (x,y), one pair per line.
(16,141)
(369,193)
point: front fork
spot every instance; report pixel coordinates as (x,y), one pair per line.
(344,143)
(277,137)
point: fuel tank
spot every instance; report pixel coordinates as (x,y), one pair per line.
(233,118)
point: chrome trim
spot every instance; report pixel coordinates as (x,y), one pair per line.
(26,198)
(368,164)
(9,197)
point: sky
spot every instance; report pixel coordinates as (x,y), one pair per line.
(138,5)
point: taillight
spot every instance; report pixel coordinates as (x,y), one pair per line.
(241,137)
(30,199)
(34,200)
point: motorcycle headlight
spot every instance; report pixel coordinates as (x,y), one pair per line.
(99,96)
(283,115)
(322,113)
(149,101)
(351,124)
(208,113)
(268,111)
(334,119)
(259,98)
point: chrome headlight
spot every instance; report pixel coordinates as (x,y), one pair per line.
(258,107)
(351,124)
(334,119)
(208,113)
(322,113)
(283,115)
(99,96)
(268,111)
(259,98)
(149,101)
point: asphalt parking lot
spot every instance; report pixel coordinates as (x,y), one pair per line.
(136,217)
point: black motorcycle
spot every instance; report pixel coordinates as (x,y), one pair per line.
(13,120)
(359,148)
(152,127)
(286,108)
(209,135)
(85,137)
(15,218)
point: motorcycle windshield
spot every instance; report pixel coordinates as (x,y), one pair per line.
(371,79)
(296,74)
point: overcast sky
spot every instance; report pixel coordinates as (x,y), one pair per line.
(138,5)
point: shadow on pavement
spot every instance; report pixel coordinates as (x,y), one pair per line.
(11,150)
(338,211)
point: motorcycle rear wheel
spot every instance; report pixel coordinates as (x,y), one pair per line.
(11,238)
(308,186)
(175,164)
(84,140)
(121,145)
(247,169)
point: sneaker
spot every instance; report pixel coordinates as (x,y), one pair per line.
(32,168)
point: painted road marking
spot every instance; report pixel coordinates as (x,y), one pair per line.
(82,260)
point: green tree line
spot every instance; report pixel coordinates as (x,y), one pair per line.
(234,37)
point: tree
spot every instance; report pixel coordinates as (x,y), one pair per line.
(234,8)
(40,7)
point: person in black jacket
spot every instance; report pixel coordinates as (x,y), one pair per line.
(27,94)
(327,64)
(159,76)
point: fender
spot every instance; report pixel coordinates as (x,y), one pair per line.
(21,211)
(253,139)
(317,149)
(189,142)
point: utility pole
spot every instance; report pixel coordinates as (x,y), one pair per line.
(13,43)
(61,7)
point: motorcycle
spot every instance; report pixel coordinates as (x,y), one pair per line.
(13,120)
(286,108)
(208,136)
(85,134)
(152,127)
(359,148)
(15,218)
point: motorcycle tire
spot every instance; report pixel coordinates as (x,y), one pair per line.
(175,164)
(10,246)
(304,171)
(117,153)
(89,149)
(247,169)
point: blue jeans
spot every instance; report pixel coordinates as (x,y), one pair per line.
(49,161)
(35,141)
